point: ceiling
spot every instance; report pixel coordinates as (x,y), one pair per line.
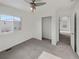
(51,4)
(20,4)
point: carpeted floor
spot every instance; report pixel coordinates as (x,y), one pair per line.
(64,39)
(32,48)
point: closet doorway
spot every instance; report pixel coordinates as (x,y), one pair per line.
(46,28)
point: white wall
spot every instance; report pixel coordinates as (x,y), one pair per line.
(31,27)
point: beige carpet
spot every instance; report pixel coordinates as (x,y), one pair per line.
(32,49)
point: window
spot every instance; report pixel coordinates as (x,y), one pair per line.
(9,23)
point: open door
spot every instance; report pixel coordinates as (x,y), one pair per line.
(73,32)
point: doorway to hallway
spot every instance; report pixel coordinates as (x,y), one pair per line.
(67,30)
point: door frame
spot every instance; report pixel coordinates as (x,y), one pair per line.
(73,34)
(42,25)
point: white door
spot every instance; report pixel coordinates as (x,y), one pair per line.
(77,23)
(74,27)
(73,31)
(46,27)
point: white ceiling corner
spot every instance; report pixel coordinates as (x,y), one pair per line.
(20,4)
